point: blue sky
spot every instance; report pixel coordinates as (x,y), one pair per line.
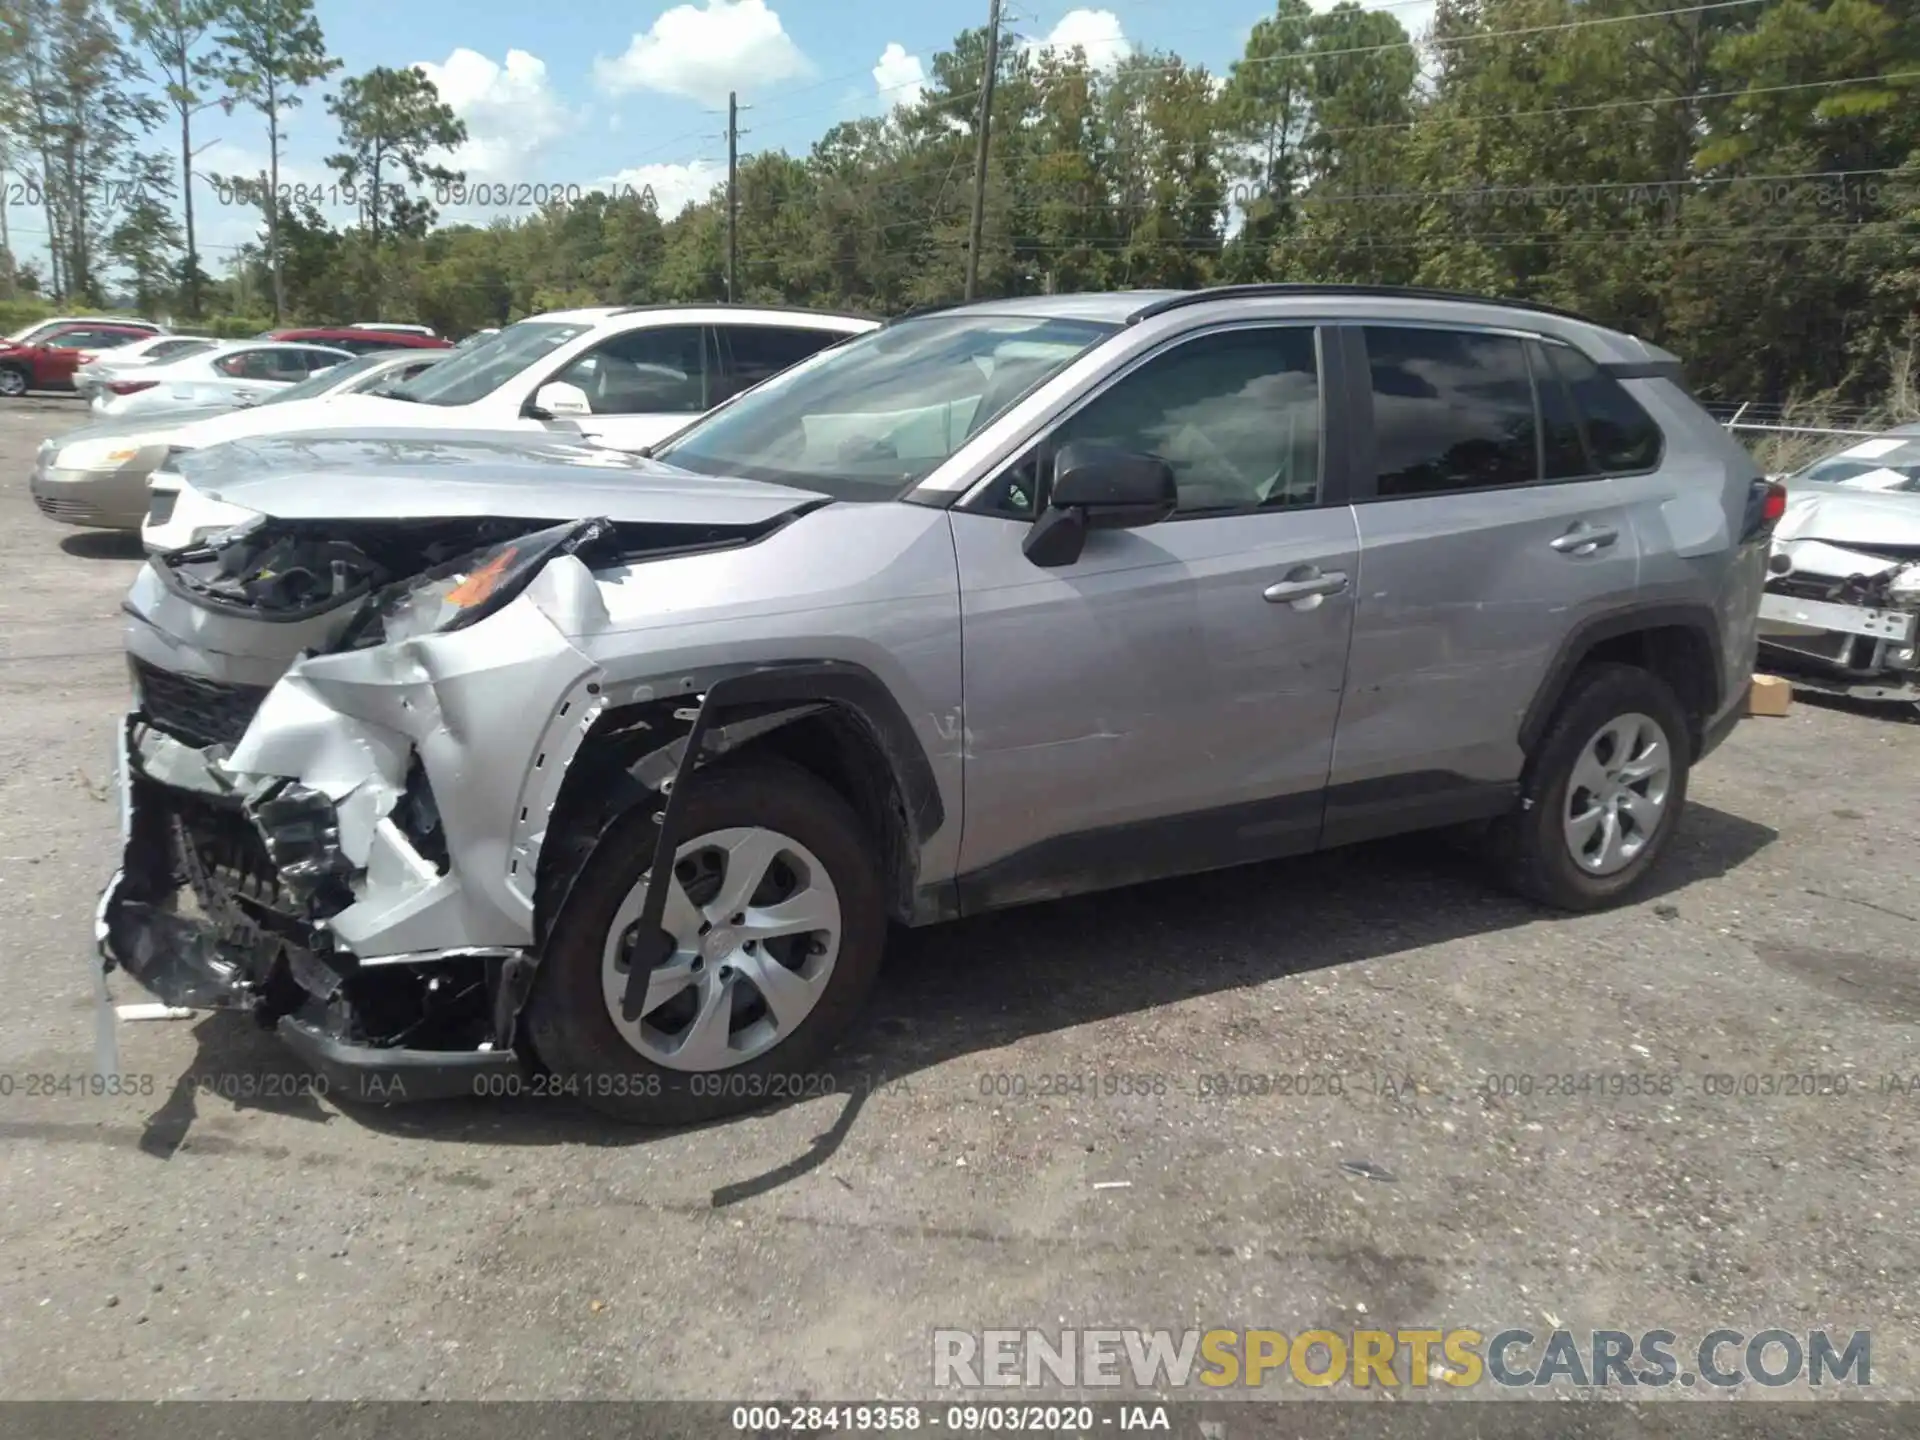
(577,95)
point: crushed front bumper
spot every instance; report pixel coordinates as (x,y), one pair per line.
(349,851)
(206,911)
(1865,652)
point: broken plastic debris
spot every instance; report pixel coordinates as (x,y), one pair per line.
(154,1012)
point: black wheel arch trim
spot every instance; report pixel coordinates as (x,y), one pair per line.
(1597,630)
(802,683)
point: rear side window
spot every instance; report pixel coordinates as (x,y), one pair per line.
(1621,437)
(1452,410)
(761,351)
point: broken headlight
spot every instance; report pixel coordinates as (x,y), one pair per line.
(464,592)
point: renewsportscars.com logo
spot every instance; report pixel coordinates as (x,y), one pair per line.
(1392,1359)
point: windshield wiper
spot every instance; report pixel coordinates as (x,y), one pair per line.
(392,392)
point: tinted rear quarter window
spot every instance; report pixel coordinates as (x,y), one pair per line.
(1621,437)
(1452,410)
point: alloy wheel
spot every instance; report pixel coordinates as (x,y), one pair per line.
(756,928)
(1617,794)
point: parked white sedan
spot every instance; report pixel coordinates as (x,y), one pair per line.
(98,367)
(242,374)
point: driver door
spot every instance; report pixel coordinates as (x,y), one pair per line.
(1167,702)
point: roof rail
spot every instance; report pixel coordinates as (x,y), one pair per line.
(1390,292)
(728,304)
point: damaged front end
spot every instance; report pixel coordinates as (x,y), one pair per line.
(285,849)
(1842,604)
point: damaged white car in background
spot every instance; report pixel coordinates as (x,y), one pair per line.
(1842,604)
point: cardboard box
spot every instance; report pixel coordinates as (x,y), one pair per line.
(1770,695)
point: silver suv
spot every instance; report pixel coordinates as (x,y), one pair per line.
(620,766)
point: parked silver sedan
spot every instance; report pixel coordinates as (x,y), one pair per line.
(243,374)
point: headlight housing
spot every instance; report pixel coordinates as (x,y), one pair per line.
(465,591)
(190,513)
(99,454)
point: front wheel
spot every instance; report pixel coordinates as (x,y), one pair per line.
(13,383)
(1605,791)
(777,924)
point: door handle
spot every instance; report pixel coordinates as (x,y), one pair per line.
(1584,539)
(1305,584)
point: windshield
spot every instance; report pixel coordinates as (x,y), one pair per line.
(325,382)
(1891,462)
(474,374)
(870,418)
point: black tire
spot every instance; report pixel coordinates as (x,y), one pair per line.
(14,382)
(1530,845)
(566,1017)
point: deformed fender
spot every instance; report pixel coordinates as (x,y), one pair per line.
(350,724)
(813,683)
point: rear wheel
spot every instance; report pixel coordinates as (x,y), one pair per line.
(13,381)
(777,924)
(1605,791)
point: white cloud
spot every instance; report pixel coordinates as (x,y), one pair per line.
(1096,32)
(701,54)
(899,76)
(674,187)
(511,111)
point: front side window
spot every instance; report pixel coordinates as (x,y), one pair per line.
(474,374)
(657,371)
(1452,410)
(1235,415)
(869,419)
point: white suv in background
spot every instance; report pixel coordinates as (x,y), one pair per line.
(625,377)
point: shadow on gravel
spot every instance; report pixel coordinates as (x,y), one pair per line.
(103,545)
(951,990)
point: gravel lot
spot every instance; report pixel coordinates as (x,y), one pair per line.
(190,1244)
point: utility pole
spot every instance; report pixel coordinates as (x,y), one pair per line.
(980,146)
(6,246)
(733,195)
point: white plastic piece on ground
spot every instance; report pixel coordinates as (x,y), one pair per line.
(155,1012)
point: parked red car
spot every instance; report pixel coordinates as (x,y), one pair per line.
(47,360)
(361,339)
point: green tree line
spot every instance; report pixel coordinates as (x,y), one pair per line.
(1736,179)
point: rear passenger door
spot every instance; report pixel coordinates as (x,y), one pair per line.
(1487,533)
(752,353)
(1166,702)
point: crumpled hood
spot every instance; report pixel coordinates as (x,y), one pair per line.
(1866,519)
(411,474)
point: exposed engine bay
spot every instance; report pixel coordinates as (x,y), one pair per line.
(298,867)
(1842,604)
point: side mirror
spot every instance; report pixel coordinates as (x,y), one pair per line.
(557,398)
(1098,487)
